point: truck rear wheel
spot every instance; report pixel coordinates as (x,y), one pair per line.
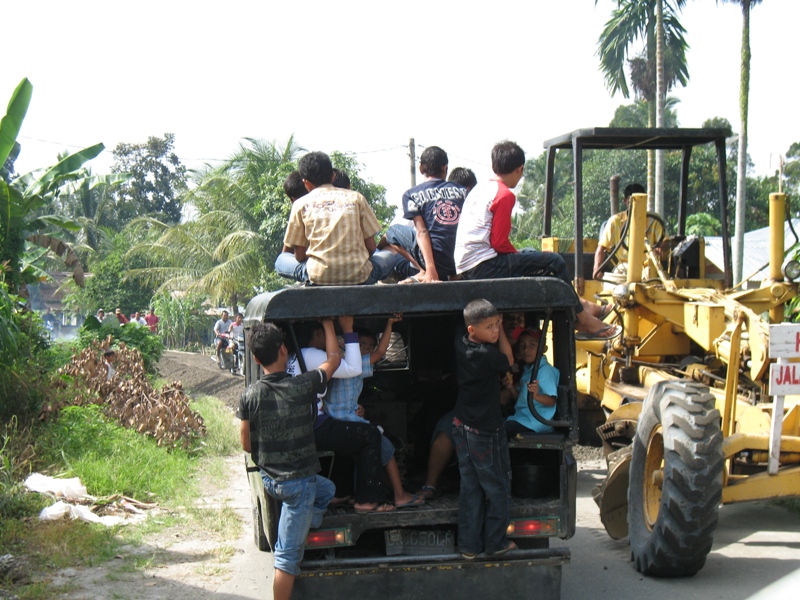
(675,480)
(258,529)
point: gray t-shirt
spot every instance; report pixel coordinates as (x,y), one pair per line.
(281,410)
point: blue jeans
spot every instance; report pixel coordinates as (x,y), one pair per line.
(286,265)
(484,503)
(405,236)
(528,262)
(304,501)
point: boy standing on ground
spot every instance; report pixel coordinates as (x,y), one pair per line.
(480,440)
(277,414)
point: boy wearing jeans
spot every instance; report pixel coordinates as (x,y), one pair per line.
(277,414)
(478,434)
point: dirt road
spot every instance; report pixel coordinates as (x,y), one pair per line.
(200,375)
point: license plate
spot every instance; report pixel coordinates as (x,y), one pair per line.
(419,542)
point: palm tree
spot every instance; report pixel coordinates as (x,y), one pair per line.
(741,175)
(242,214)
(636,20)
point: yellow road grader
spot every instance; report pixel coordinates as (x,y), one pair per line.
(688,422)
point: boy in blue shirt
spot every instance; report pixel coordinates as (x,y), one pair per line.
(483,356)
(543,390)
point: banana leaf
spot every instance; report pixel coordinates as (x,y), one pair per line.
(64,167)
(15,114)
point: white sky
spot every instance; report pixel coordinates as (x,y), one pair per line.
(364,76)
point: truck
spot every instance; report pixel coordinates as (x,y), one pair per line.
(681,398)
(412,553)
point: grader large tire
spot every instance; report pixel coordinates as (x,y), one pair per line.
(675,480)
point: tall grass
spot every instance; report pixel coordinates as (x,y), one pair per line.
(110,459)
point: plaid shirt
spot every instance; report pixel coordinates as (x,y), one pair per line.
(333,224)
(341,402)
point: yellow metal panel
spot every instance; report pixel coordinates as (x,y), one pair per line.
(703,321)
(662,340)
(753,420)
(739,442)
(763,486)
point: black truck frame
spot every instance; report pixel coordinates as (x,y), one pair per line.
(411,553)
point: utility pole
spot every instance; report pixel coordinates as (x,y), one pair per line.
(411,153)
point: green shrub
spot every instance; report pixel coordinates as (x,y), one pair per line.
(134,336)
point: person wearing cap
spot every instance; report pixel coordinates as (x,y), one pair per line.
(123,320)
(543,390)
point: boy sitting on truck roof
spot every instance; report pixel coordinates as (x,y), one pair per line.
(277,413)
(425,250)
(483,250)
(480,440)
(332,232)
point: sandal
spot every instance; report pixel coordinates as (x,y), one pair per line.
(428,492)
(469,555)
(511,546)
(413,503)
(598,335)
(605,311)
(380,507)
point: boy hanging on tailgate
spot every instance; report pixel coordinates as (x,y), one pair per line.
(277,414)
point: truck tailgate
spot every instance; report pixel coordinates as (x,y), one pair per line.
(408,577)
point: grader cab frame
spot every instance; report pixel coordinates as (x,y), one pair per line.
(688,420)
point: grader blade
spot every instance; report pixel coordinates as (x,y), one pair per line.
(612,495)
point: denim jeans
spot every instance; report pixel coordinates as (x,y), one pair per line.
(484,503)
(525,263)
(286,265)
(405,236)
(304,501)
(528,262)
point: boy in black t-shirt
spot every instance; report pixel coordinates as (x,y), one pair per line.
(478,434)
(277,414)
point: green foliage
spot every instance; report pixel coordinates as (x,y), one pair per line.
(182,321)
(222,437)
(24,358)
(635,21)
(108,288)
(133,335)
(703,225)
(26,202)
(638,114)
(631,166)
(374,193)
(16,454)
(110,459)
(157,178)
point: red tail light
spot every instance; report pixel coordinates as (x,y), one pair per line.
(328,538)
(533,527)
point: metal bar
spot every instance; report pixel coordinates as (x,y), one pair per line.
(577,165)
(776,430)
(684,190)
(548,191)
(723,213)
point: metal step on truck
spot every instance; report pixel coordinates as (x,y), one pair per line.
(412,553)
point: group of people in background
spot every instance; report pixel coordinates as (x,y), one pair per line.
(118,317)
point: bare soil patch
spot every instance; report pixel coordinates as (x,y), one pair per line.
(200,376)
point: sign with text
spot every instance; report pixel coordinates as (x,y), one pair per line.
(784,343)
(784,379)
(784,340)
